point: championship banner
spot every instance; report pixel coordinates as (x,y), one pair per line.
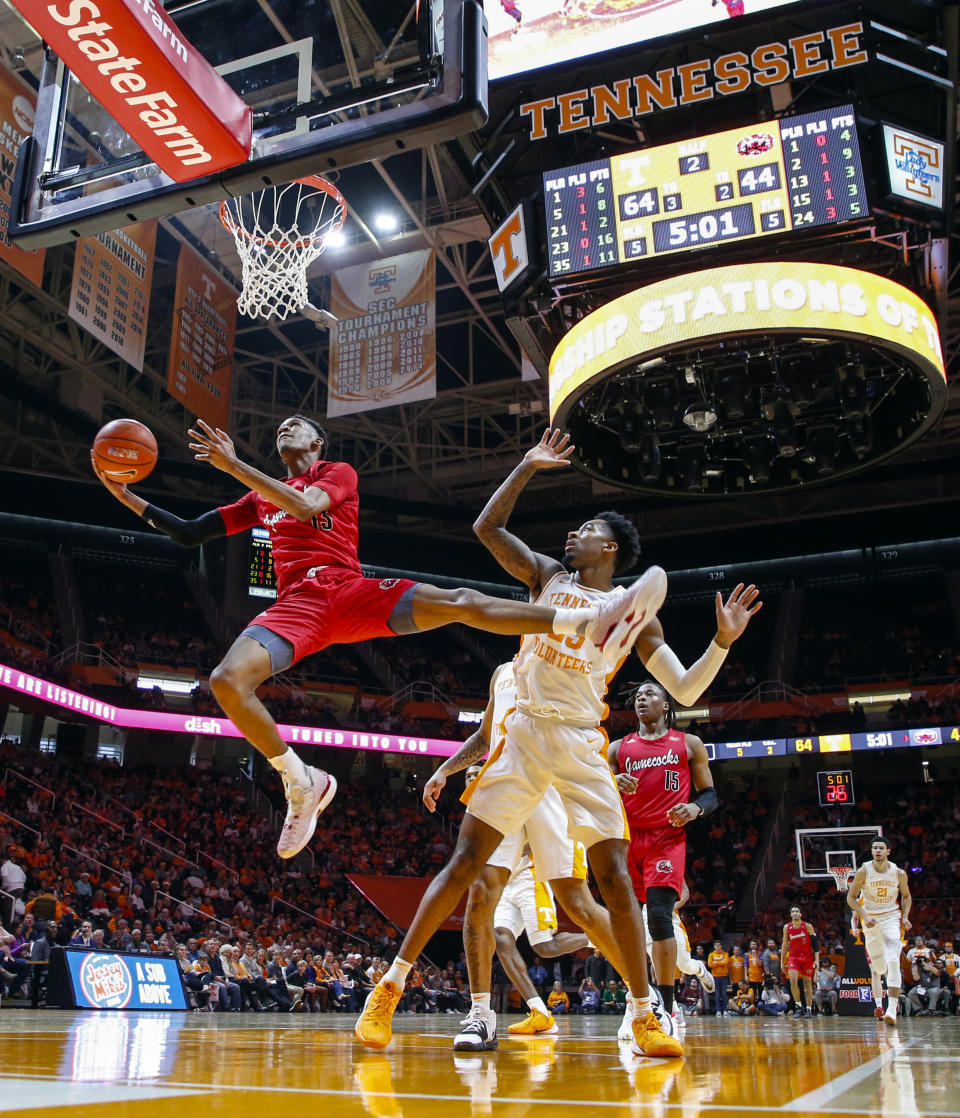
(16,124)
(383,349)
(204,328)
(110,293)
(132,58)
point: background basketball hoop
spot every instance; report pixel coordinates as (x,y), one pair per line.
(842,875)
(279,232)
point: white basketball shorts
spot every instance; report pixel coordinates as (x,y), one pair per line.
(554,854)
(527,905)
(884,944)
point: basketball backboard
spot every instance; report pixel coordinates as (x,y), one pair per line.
(331,83)
(819,849)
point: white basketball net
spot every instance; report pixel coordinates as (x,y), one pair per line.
(842,875)
(279,232)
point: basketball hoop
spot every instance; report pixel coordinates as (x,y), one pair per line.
(843,875)
(279,232)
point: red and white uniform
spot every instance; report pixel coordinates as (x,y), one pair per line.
(799,949)
(322,596)
(658,851)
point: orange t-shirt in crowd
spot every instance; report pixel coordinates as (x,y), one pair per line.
(719,963)
(754,966)
(737,968)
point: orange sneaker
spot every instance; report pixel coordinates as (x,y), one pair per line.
(649,1039)
(535,1024)
(374,1026)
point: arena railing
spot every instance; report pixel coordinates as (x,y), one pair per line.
(765,865)
(317,919)
(10,771)
(180,902)
(163,831)
(124,875)
(215,862)
(96,815)
(17,822)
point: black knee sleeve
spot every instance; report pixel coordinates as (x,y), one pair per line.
(660,902)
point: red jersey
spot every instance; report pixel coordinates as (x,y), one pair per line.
(328,540)
(663,774)
(799,947)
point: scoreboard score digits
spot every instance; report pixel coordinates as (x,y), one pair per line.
(835,788)
(773,177)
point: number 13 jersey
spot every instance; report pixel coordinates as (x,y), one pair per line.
(662,771)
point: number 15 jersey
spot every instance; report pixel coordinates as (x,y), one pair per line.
(662,771)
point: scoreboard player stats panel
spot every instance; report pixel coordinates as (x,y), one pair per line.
(761,179)
(834,743)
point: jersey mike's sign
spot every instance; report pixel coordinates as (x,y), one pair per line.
(133,59)
(772,63)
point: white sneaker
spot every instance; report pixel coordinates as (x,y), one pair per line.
(706,978)
(304,804)
(620,617)
(625,1032)
(479,1034)
(891,1014)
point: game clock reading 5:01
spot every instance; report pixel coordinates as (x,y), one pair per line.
(746,182)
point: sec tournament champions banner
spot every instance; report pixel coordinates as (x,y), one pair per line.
(110,294)
(16,124)
(201,353)
(383,348)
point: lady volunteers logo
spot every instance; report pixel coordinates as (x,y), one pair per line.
(105,981)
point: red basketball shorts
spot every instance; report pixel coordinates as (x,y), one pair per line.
(656,856)
(802,964)
(334,606)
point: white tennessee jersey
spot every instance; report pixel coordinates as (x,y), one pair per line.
(564,677)
(881,891)
(504,693)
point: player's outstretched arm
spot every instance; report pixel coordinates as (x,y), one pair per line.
(529,566)
(686,685)
(188,533)
(216,447)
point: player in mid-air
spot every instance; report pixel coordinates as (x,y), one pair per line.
(323,597)
(655,768)
(554,735)
(801,950)
(880,896)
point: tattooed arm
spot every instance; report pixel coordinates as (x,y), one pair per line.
(512,553)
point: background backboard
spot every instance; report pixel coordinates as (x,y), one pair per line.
(819,848)
(330,82)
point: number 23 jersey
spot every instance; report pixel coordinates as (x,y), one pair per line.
(662,771)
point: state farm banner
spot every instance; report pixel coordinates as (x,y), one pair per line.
(201,350)
(110,293)
(16,124)
(383,349)
(131,56)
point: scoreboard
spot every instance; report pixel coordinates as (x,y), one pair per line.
(834,743)
(835,788)
(767,178)
(261,581)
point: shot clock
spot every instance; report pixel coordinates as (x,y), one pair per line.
(835,788)
(773,177)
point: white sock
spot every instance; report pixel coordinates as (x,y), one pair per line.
(569,622)
(537,1004)
(877,987)
(290,765)
(641,1006)
(481,1002)
(397,972)
(892,1005)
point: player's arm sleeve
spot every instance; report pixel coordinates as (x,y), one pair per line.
(338,480)
(187,533)
(814,942)
(686,685)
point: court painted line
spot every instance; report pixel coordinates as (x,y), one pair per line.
(820,1097)
(20,1093)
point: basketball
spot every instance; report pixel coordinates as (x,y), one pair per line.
(125,450)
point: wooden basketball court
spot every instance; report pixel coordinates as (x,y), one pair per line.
(131,1065)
